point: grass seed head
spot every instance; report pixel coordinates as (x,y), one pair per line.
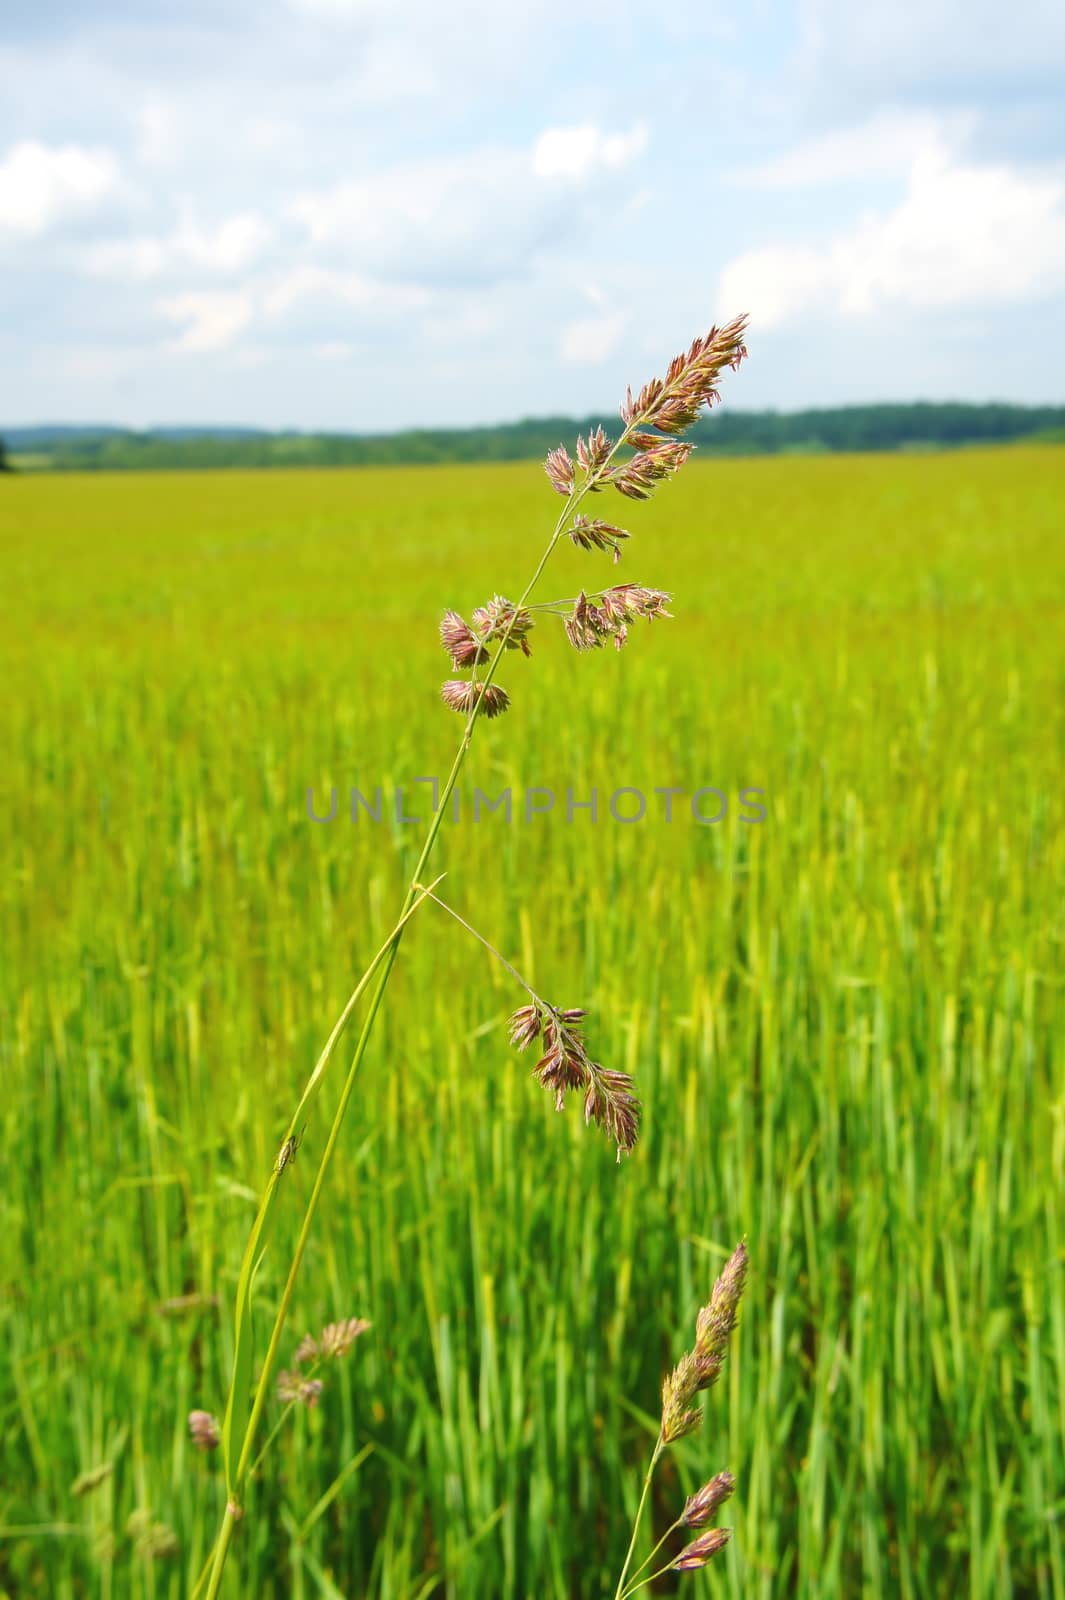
(611,1103)
(636,477)
(717,1318)
(592,622)
(589,533)
(702,1550)
(700,1367)
(559,469)
(458,641)
(501,619)
(86,1482)
(460,696)
(564,1064)
(337,1338)
(609,1098)
(672,404)
(585,627)
(592,452)
(525,1026)
(678,1391)
(205,1430)
(293,1387)
(700,1507)
(627,600)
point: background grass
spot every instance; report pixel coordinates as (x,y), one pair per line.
(848,1026)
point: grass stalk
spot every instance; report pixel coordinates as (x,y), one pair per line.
(386,960)
(636,1521)
(668,406)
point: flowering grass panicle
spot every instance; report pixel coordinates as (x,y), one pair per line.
(490,698)
(607,614)
(525,1025)
(559,469)
(293,1388)
(697,1369)
(590,533)
(701,1550)
(205,1430)
(609,1097)
(592,453)
(458,641)
(499,621)
(637,477)
(700,1367)
(585,628)
(672,403)
(335,1340)
(700,1507)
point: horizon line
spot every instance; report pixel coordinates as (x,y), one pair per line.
(291,429)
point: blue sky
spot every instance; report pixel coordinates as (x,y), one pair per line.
(361,215)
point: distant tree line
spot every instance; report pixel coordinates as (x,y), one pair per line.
(921,425)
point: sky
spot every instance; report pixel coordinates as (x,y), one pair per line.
(361,215)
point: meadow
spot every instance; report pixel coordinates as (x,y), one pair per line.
(847,1023)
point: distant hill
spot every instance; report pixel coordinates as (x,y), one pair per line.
(921,425)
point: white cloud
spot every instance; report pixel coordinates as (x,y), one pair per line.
(590,340)
(212,320)
(468,219)
(579,153)
(962,235)
(134,259)
(42,185)
(334,350)
(230,247)
(471,218)
(885,47)
(159,138)
(350,288)
(234,245)
(885,146)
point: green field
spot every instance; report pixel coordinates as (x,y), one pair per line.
(847,1023)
